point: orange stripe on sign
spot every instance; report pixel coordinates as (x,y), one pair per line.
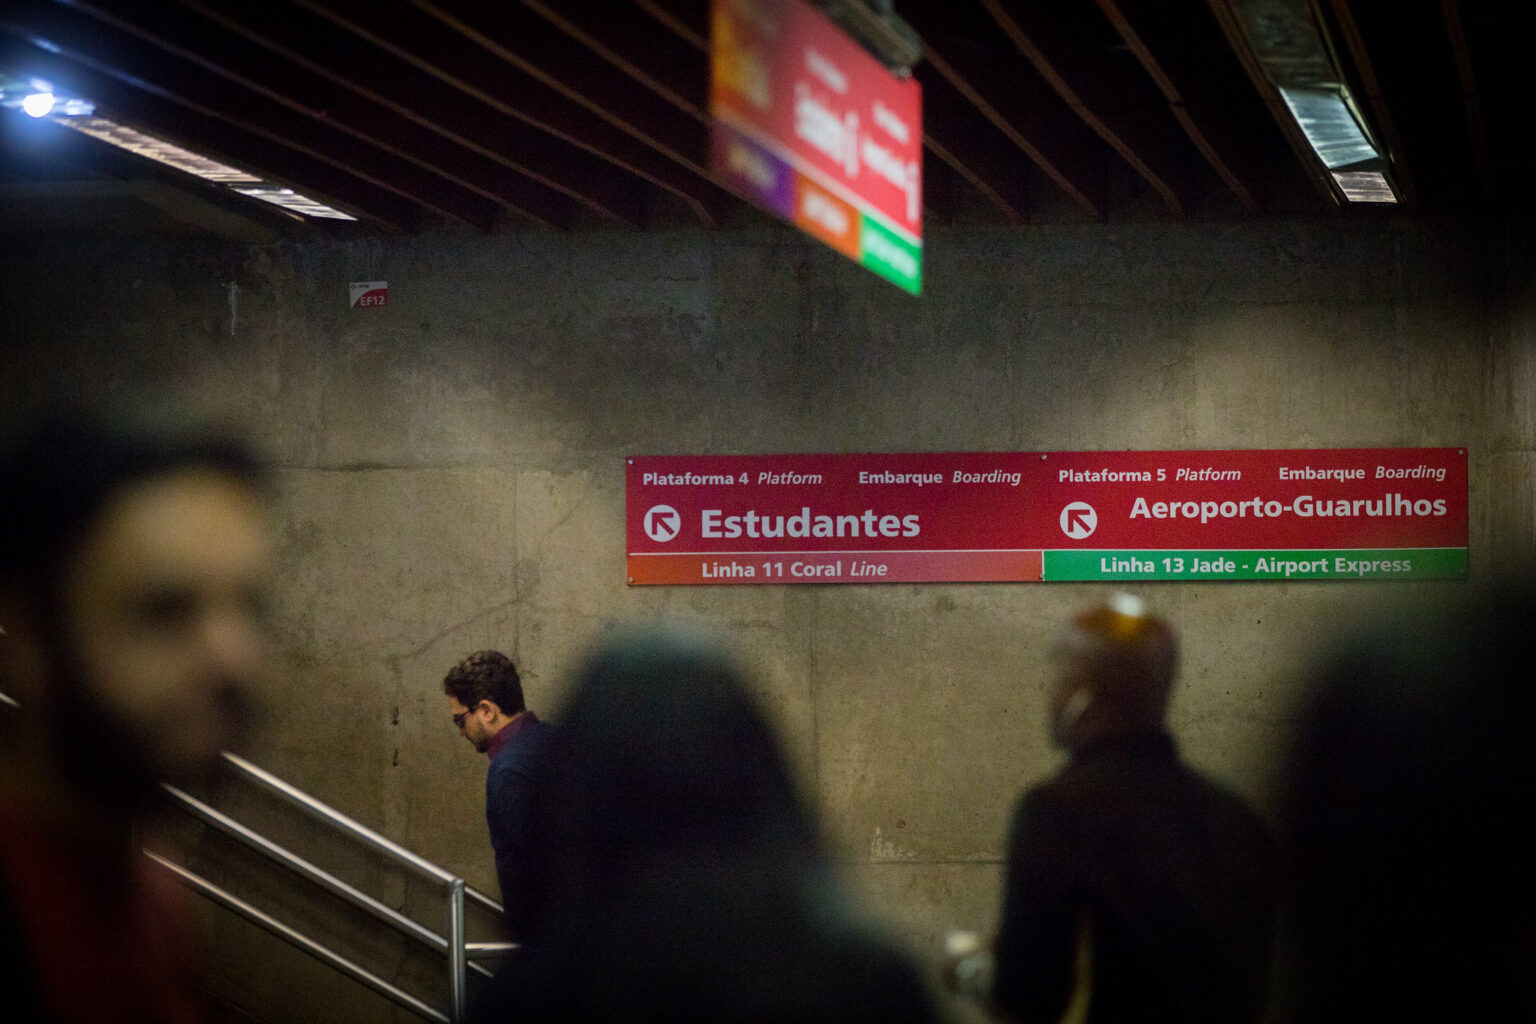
(820,213)
(743,567)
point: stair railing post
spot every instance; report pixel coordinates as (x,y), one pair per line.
(457,959)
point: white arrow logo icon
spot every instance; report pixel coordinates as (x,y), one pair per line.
(1078,520)
(662,523)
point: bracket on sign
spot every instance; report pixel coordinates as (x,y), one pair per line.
(879,30)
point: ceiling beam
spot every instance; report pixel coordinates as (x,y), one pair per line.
(432,107)
(428,44)
(954,132)
(299,90)
(1471,102)
(635,46)
(695,35)
(962,85)
(1194,125)
(525,43)
(514,35)
(1097,115)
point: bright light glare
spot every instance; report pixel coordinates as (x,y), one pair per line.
(36,97)
(160,150)
(156,149)
(1365,186)
(39,104)
(288,199)
(1329,126)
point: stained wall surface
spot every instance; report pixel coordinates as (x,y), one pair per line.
(451,474)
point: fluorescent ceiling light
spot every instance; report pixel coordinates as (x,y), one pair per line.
(155,149)
(1289,39)
(288,199)
(1365,186)
(29,94)
(1329,126)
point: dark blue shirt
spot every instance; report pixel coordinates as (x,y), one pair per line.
(516,758)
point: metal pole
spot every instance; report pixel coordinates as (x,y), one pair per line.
(456,953)
(327,813)
(337,820)
(304,869)
(488,950)
(476,896)
(300,941)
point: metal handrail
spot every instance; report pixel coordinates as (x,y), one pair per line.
(303,942)
(488,950)
(458,958)
(462,954)
(309,871)
(476,896)
(331,816)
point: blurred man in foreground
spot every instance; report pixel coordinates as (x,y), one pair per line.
(132,579)
(1136,889)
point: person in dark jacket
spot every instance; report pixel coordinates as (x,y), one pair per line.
(1136,889)
(485,701)
(678,871)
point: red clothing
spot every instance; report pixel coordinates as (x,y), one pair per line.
(520,721)
(101,940)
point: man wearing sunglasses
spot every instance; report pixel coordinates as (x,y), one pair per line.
(485,702)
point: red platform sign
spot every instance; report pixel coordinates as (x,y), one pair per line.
(1287,514)
(812,128)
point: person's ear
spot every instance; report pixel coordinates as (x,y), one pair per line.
(487,710)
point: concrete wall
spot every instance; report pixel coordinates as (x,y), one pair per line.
(452,474)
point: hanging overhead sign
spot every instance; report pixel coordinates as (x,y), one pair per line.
(812,128)
(1286,514)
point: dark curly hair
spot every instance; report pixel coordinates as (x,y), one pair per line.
(486,675)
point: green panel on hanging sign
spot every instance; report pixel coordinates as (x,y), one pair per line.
(891,256)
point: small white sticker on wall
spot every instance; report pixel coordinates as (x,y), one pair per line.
(370,293)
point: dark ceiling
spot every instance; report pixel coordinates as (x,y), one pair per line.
(422,114)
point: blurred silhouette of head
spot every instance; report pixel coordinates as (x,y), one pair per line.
(1115,667)
(663,750)
(676,874)
(132,585)
(1406,795)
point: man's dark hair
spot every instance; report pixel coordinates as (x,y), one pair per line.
(486,675)
(60,472)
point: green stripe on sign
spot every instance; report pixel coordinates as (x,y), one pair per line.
(891,256)
(1359,564)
